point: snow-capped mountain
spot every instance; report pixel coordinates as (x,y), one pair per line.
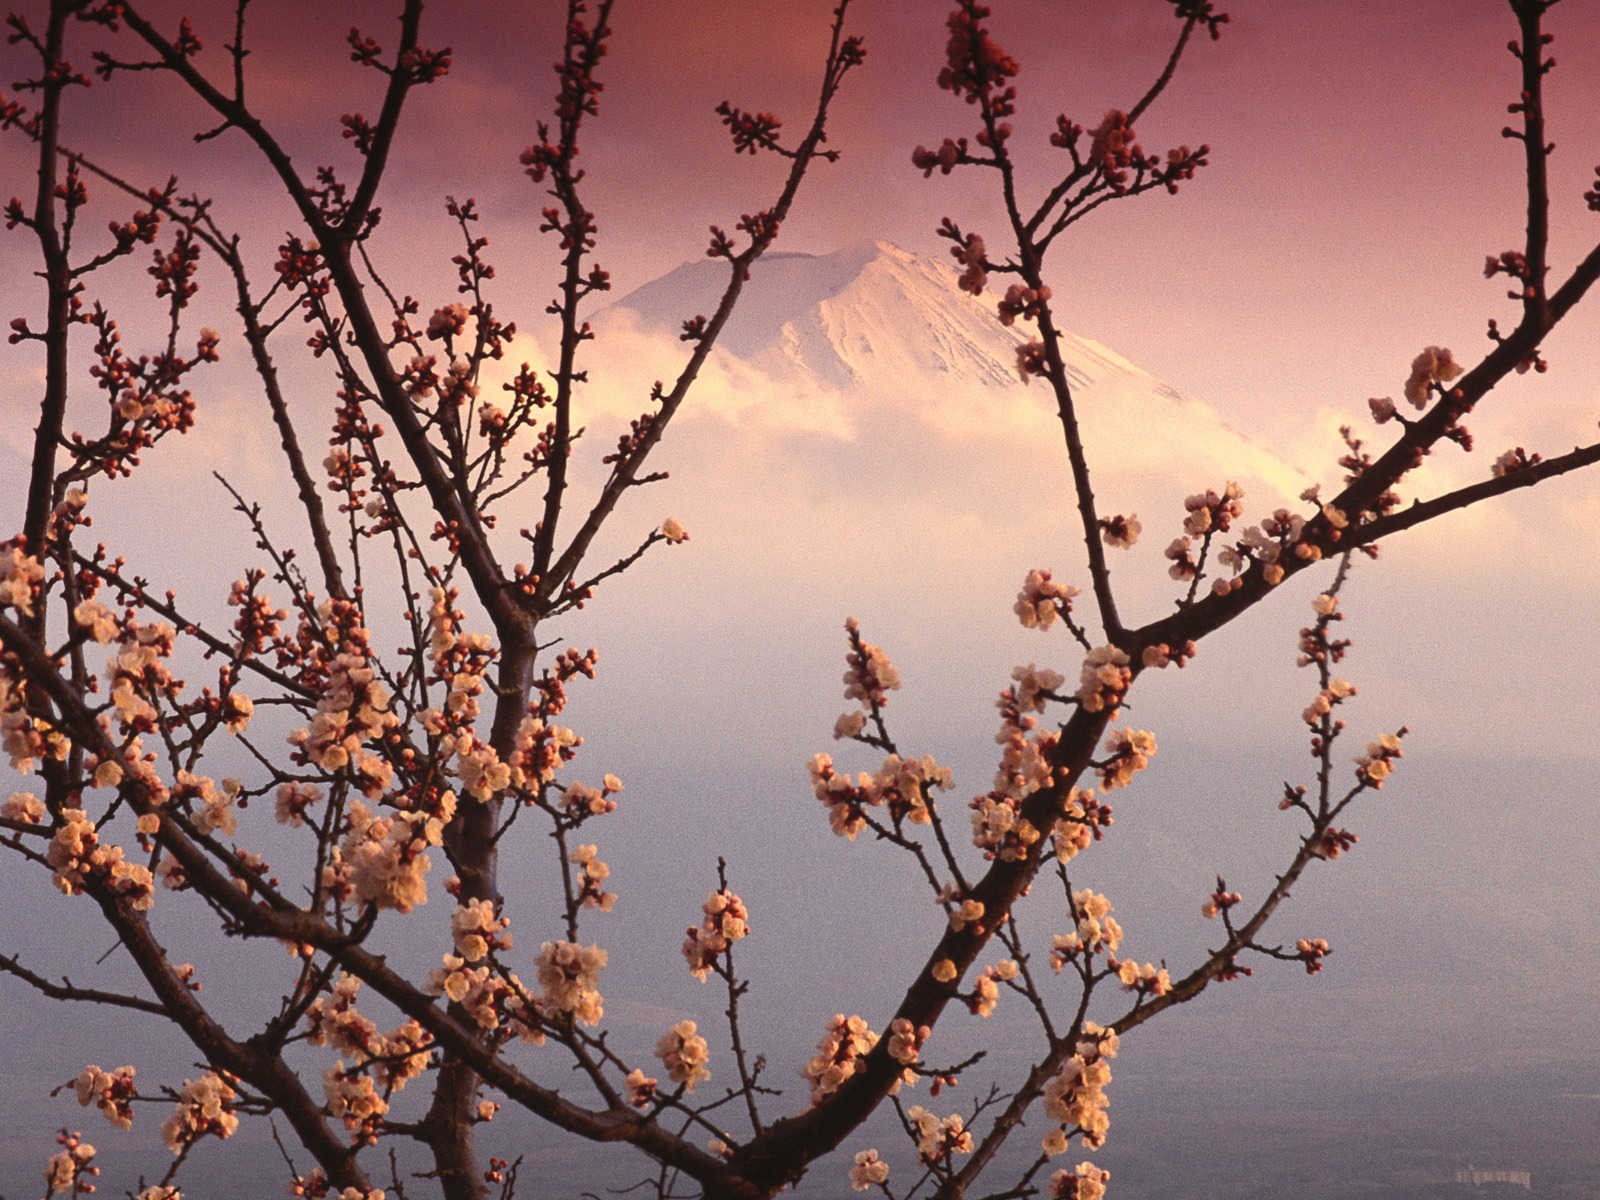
(833,340)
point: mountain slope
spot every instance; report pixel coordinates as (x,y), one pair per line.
(873,329)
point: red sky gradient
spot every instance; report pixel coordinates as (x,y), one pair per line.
(1358,181)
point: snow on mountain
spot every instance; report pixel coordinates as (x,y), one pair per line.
(859,442)
(858,317)
(831,342)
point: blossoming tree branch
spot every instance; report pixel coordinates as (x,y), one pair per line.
(405,767)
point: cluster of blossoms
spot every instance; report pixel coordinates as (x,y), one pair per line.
(1085,1182)
(1082,818)
(382,860)
(1097,930)
(683,1052)
(1023,301)
(455,389)
(904,785)
(76,855)
(844,800)
(905,1045)
(900,784)
(945,159)
(581,800)
(210,808)
(986,987)
(1114,148)
(938,1140)
(1312,951)
(1513,263)
(292,802)
(869,1171)
(137,670)
(108,772)
(258,624)
(1184,565)
(332,1019)
(1433,367)
(489,999)
(20,578)
(726,921)
(1220,901)
(542,748)
(1315,644)
(1075,1098)
(112,1092)
(1121,532)
(1162,655)
(641,1088)
(1337,691)
(342,467)
(839,1055)
(461,661)
(315,1186)
(1513,460)
(1265,543)
(24,808)
(976,66)
(1332,842)
(969,251)
(205,1106)
(483,776)
(1031,360)
(592,874)
(1376,765)
(477,931)
(570,976)
(1209,511)
(397,1057)
(869,676)
(70,1168)
(1034,686)
(23,738)
(999,829)
(1147,980)
(963,911)
(1129,752)
(1105,678)
(354,1099)
(447,322)
(849,724)
(353,711)
(1042,600)
(1024,765)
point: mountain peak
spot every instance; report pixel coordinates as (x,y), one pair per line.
(874,326)
(856,317)
(842,319)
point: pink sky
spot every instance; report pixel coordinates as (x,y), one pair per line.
(1358,176)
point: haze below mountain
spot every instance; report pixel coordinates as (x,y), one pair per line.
(847,339)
